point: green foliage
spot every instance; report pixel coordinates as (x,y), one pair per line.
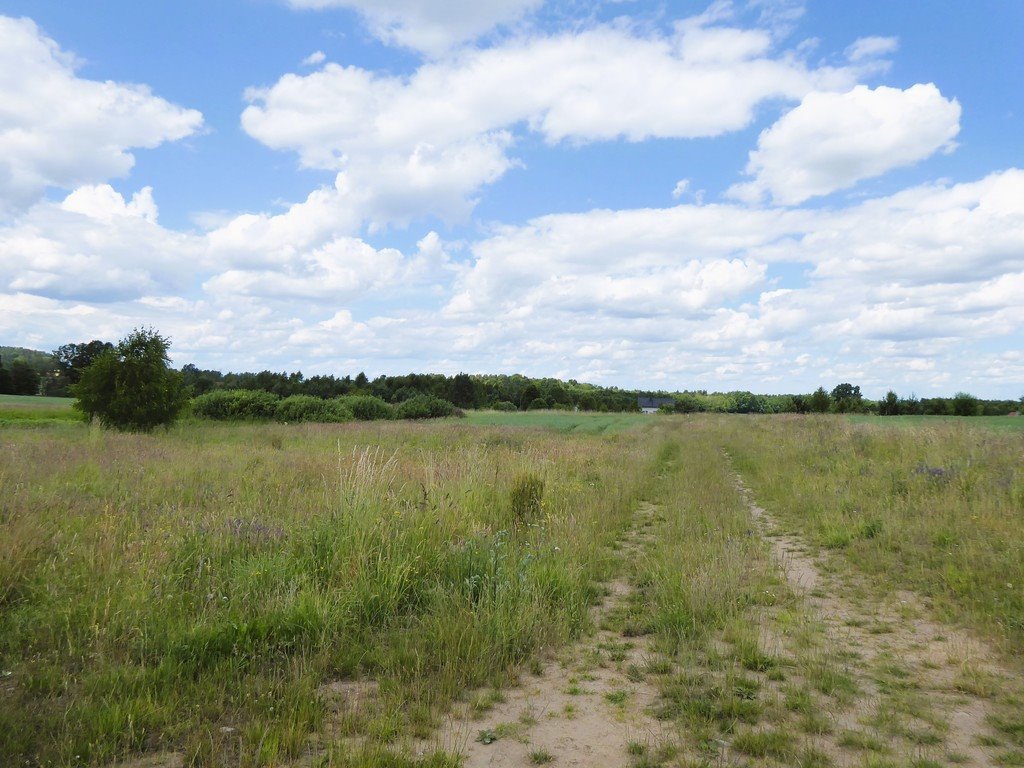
(368,407)
(131,387)
(24,379)
(965,404)
(890,405)
(209,575)
(72,359)
(308,408)
(504,405)
(236,405)
(424,407)
(526,499)
(819,401)
(846,398)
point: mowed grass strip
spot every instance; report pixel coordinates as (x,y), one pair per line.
(562,421)
(22,410)
(191,590)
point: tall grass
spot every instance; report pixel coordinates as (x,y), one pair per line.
(937,508)
(191,590)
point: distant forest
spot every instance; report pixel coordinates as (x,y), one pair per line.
(31,372)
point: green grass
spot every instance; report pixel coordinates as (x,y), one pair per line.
(917,422)
(26,410)
(156,588)
(561,421)
(934,507)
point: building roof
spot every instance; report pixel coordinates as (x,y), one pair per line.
(654,402)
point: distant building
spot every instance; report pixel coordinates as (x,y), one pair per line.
(652,404)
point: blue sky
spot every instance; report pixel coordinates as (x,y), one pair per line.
(765,195)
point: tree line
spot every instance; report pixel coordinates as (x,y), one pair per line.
(55,373)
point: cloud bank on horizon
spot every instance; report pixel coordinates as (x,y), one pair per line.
(481,197)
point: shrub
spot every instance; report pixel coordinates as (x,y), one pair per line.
(236,405)
(504,405)
(965,404)
(526,497)
(424,407)
(309,408)
(132,386)
(368,407)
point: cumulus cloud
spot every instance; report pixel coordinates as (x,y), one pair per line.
(342,270)
(689,291)
(894,290)
(425,143)
(430,26)
(60,130)
(96,246)
(833,140)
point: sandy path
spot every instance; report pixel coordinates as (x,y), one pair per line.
(585,707)
(886,631)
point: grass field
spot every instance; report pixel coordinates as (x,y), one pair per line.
(28,410)
(205,591)
(915,422)
(566,422)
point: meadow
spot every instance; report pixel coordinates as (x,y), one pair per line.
(201,591)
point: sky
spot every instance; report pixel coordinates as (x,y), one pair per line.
(764,195)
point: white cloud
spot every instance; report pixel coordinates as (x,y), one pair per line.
(431,26)
(95,246)
(871,47)
(340,271)
(315,58)
(680,188)
(897,291)
(60,130)
(427,142)
(833,140)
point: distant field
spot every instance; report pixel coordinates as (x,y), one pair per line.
(987,422)
(28,409)
(561,421)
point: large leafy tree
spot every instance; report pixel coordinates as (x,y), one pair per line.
(72,359)
(132,386)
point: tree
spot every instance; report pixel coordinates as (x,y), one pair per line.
(463,391)
(528,395)
(132,386)
(846,398)
(6,386)
(819,401)
(965,404)
(24,378)
(72,359)
(890,406)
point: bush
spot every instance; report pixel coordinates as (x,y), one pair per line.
(368,407)
(309,408)
(132,386)
(504,405)
(236,405)
(424,407)
(526,497)
(965,404)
